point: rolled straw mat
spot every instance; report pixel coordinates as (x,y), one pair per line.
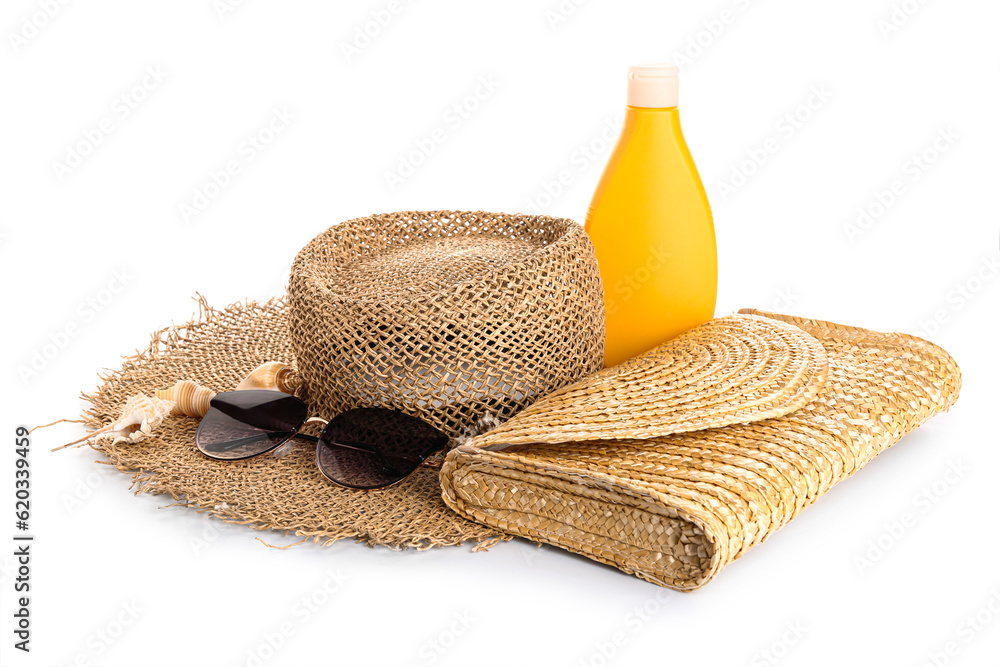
(678,462)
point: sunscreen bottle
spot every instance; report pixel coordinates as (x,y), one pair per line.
(651,225)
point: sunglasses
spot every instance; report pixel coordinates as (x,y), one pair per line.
(363,448)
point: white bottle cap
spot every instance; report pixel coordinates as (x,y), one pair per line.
(652,86)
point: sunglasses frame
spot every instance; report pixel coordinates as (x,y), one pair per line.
(297,433)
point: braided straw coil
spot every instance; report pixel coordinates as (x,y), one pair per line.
(445,315)
(654,497)
(727,371)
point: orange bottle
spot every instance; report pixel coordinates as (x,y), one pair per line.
(651,225)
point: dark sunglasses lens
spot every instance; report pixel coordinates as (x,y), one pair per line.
(368,448)
(241,424)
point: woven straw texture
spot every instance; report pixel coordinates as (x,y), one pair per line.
(288,494)
(445,315)
(676,509)
(727,371)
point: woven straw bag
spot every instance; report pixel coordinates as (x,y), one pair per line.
(680,461)
(445,315)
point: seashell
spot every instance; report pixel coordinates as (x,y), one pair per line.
(140,416)
(190,398)
(142,413)
(272,375)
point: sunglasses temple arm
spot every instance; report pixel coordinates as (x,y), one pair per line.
(362,447)
(233,444)
(357,446)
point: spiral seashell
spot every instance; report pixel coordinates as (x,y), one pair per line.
(190,398)
(272,375)
(139,417)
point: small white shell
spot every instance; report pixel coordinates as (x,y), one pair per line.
(140,415)
(191,398)
(272,375)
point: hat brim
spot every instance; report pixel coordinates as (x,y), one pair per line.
(217,349)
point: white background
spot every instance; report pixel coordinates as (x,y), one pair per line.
(209,593)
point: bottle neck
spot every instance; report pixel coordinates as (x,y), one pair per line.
(662,116)
(661,110)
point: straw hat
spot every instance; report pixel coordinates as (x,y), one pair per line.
(445,315)
(442,315)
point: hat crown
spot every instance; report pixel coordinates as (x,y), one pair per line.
(445,315)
